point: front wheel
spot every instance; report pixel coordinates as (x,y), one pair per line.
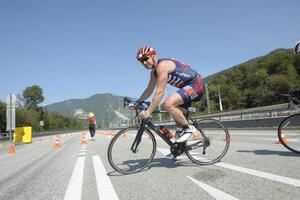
(289,133)
(210,144)
(123,159)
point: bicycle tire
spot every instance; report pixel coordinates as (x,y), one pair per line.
(119,153)
(217,134)
(289,133)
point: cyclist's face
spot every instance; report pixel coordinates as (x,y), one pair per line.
(148,62)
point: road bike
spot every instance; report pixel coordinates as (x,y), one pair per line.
(289,129)
(133,148)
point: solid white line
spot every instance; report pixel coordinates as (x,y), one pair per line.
(75,185)
(217,194)
(105,187)
(273,177)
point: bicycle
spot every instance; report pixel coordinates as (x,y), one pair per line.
(133,148)
(289,129)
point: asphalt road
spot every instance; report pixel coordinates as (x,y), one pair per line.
(255,167)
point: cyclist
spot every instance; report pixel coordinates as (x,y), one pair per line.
(177,74)
(92,124)
(297,49)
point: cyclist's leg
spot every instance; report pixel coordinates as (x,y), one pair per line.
(91,130)
(171,104)
(174,105)
(183,98)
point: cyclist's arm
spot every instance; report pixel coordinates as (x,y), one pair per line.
(149,90)
(162,79)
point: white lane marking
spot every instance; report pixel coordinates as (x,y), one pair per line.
(81,154)
(266,175)
(104,185)
(217,194)
(270,176)
(75,185)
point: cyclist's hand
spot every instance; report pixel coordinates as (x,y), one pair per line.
(144,114)
(132,105)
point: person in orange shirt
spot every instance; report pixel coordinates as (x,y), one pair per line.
(92,124)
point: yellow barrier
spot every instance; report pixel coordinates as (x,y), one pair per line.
(23,134)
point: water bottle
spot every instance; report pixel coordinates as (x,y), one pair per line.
(166,131)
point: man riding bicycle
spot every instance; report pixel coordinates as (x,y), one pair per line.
(177,74)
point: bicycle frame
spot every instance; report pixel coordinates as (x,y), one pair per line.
(146,122)
(141,130)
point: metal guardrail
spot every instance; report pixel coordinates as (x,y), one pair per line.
(260,117)
(39,133)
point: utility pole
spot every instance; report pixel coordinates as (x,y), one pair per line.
(207,98)
(220,100)
(160,119)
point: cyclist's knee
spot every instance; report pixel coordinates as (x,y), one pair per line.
(168,104)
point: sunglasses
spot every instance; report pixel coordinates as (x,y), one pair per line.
(143,59)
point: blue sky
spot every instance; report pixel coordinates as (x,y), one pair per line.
(77,48)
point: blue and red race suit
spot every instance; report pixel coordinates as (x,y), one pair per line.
(187,79)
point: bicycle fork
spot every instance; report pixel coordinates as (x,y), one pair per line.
(138,138)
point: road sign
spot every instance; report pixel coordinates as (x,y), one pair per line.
(10,112)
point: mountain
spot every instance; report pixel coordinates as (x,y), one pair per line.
(104,106)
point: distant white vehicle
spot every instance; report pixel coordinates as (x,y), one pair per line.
(297,48)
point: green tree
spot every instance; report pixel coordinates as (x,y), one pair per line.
(2,117)
(33,96)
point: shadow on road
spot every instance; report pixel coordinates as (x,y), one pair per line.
(271,152)
(158,162)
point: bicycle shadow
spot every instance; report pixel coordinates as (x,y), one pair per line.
(271,152)
(163,162)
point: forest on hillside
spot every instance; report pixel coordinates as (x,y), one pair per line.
(259,82)
(29,113)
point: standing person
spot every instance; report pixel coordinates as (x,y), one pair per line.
(92,124)
(177,74)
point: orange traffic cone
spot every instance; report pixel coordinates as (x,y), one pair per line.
(57,143)
(84,140)
(283,138)
(11,149)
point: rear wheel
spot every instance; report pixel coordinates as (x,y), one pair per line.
(123,159)
(210,143)
(289,133)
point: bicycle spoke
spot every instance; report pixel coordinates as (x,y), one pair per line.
(211,148)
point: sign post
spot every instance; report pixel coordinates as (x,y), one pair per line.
(11,117)
(41,125)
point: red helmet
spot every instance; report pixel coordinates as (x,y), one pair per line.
(145,51)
